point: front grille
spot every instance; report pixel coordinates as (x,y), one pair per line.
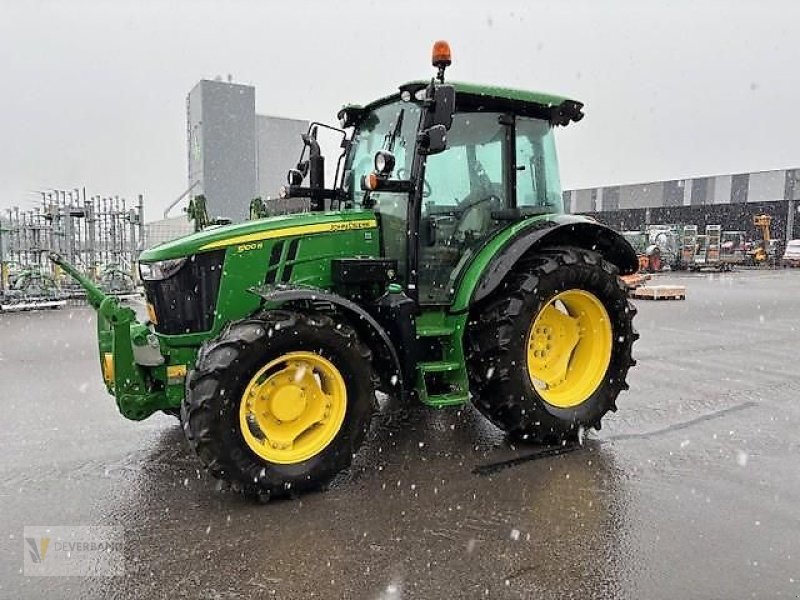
(186,301)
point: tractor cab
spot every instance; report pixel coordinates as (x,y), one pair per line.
(498,167)
(445,166)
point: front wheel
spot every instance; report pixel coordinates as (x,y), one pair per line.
(550,352)
(280,402)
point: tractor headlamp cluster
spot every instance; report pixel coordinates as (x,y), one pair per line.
(162,269)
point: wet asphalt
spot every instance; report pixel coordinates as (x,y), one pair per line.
(691,490)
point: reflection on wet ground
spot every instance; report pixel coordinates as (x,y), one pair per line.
(690,490)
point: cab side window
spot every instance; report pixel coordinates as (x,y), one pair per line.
(535,163)
(463,186)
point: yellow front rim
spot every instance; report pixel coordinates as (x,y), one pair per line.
(569,348)
(293,407)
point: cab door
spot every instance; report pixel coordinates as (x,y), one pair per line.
(463,189)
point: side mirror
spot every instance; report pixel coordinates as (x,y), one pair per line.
(432,140)
(443,106)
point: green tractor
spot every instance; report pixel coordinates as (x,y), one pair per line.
(439,267)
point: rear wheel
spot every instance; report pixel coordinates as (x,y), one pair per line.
(280,402)
(550,353)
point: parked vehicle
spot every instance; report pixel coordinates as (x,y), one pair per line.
(791,257)
(648,254)
(733,250)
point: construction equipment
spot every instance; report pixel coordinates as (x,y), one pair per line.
(114,279)
(32,289)
(763,249)
(665,238)
(733,248)
(648,253)
(445,270)
(258,209)
(702,251)
(197,212)
(687,246)
(712,243)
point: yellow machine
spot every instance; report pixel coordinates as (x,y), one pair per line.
(761,252)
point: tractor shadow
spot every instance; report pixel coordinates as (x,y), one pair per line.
(416,436)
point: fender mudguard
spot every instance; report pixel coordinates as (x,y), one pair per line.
(553,230)
(386,362)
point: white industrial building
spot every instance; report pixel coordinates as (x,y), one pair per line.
(235,155)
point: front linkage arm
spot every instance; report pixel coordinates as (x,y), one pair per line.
(116,326)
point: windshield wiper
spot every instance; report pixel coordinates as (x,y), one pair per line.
(391,138)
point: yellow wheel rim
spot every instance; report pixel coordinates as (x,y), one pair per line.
(293,407)
(569,348)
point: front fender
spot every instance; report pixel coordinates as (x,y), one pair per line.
(389,368)
(497,258)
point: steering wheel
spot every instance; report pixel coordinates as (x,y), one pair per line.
(465,210)
(426,187)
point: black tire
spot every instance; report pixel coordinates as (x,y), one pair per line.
(210,410)
(501,387)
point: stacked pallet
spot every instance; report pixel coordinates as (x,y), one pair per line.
(635,280)
(660,292)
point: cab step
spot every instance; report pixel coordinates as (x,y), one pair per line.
(438,366)
(452,399)
(435,331)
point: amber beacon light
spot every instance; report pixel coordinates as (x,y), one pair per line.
(440,56)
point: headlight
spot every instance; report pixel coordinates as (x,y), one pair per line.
(384,162)
(162,269)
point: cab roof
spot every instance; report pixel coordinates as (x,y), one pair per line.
(559,110)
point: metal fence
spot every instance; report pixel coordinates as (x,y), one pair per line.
(100,235)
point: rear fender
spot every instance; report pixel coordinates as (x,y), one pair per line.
(554,230)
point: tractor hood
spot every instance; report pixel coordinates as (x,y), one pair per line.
(281,226)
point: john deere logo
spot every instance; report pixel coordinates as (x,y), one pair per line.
(37,548)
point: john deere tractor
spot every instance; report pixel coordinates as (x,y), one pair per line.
(439,267)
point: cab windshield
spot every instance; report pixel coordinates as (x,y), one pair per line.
(373,134)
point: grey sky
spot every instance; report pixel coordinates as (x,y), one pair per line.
(94,93)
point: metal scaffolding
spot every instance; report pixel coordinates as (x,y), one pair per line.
(101,235)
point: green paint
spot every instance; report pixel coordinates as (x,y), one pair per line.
(191,244)
(452,370)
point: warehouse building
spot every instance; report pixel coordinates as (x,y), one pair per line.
(727,200)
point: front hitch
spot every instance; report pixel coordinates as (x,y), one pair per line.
(116,327)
